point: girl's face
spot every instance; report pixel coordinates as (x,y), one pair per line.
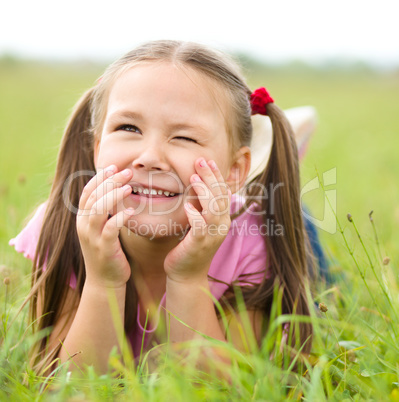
(160,119)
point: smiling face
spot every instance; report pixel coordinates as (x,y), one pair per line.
(160,119)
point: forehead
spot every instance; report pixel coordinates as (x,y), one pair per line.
(161,87)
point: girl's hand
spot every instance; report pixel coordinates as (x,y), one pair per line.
(191,258)
(105,262)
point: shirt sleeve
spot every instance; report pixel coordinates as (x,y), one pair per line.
(26,241)
(242,257)
(251,267)
(252,261)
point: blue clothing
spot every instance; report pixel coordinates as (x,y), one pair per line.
(317,250)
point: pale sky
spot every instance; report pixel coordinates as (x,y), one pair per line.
(279,30)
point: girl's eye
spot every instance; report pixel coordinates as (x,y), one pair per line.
(186,139)
(128,127)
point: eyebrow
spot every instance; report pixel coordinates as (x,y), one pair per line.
(126,114)
(188,127)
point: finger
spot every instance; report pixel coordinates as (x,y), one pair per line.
(114,225)
(93,183)
(212,213)
(101,209)
(207,175)
(115,181)
(204,193)
(222,198)
(195,219)
(212,204)
(219,177)
(212,177)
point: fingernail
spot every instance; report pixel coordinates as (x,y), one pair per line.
(202,163)
(110,168)
(196,178)
(129,211)
(127,187)
(212,164)
(126,172)
(188,205)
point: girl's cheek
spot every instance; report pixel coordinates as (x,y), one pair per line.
(113,155)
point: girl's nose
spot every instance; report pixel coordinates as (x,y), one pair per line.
(151,157)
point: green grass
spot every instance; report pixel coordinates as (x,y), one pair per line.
(356,349)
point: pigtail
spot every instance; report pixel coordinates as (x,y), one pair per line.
(287,251)
(58,248)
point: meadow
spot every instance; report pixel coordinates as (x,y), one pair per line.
(356,343)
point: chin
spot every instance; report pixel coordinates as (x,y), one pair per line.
(153,228)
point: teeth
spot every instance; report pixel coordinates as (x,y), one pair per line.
(148,191)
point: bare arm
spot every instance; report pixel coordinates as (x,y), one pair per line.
(94,330)
(192,305)
(88,330)
(97,324)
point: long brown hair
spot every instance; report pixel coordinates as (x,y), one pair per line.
(58,247)
(289,254)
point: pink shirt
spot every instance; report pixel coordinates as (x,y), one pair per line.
(241,257)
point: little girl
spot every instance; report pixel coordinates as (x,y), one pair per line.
(144,214)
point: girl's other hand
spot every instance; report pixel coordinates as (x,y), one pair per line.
(105,261)
(191,258)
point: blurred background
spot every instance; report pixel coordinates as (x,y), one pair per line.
(341,57)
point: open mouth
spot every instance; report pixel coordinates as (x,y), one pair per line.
(153,193)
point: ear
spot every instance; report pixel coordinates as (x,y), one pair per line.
(239,169)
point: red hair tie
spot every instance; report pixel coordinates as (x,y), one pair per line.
(259,99)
